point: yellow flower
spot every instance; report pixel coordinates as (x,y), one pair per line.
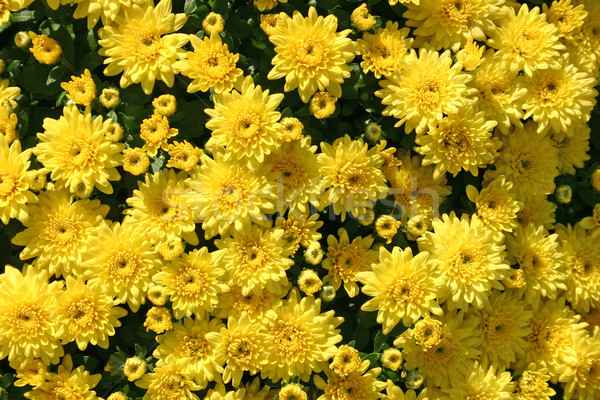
(303,338)
(559,99)
(172,249)
(220,393)
(210,65)
(481,382)
(533,384)
(114,132)
(164,206)
(309,282)
(9,6)
(361,18)
(392,359)
(537,211)
(229,196)
(183,155)
(33,374)
(403,288)
(471,55)
(563,194)
(291,129)
(28,317)
(165,105)
(123,264)
(234,303)
(193,283)
(8,124)
(158,320)
(22,39)
(193,346)
(469,258)
(426,87)
(156,295)
(572,151)
(311,54)
(254,260)
(270,23)
(346,259)
(292,391)
(460,141)
(45,49)
(585,43)
(67,383)
(322,104)
(15,180)
(60,232)
(142,45)
(86,314)
(155,131)
(449,24)
(526,41)
(242,346)
(108,10)
(356,385)
(582,378)
(541,261)
(8,95)
(117,396)
(135,161)
(109,97)
(266,5)
(245,122)
(75,152)
(384,51)
(299,231)
(134,368)
(427,333)
(386,227)
(496,205)
(81,89)
(394,392)
(592,223)
(213,24)
(346,360)
(168,382)
(314,254)
(352,177)
(567,17)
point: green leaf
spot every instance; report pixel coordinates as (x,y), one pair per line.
(367,319)
(237,28)
(140,351)
(379,341)
(57,74)
(23,16)
(373,359)
(190,6)
(221,7)
(361,337)
(6,380)
(328,4)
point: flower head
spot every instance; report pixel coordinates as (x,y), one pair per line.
(110,98)
(361,18)
(134,368)
(496,205)
(156,131)
(135,161)
(168,382)
(46,50)
(322,104)
(15,181)
(81,89)
(213,23)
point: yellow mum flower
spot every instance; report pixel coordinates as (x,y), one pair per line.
(183,155)
(229,196)
(135,161)
(471,56)
(9,6)
(303,338)
(299,231)
(114,132)
(234,303)
(60,232)
(427,87)
(292,391)
(567,17)
(45,49)
(134,368)
(266,5)
(164,207)
(572,151)
(8,124)
(403,288)
(346,360)
(213,23)
(15,181)
(86,314)
(322,104)
(392,359)
(309,282)
(76,153)
(361,18)
(168,382)
(28,317)
(33,374)
(67,383)
(386,227)
(356,385)
(533,384)
(383,52)
(311,54)
(291,129)
(165,105)
(81,89)
(192,345)
(581,378)
(109,97)
(96,9)
(142,45)
(468,257)
(192,282)
(526,41)
(123,264)
(270,23)
(210,65)
(156,131)
(158,320)
(476,381)
(496,205)
(352,177)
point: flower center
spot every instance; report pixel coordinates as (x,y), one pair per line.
(80,154)
(232,196)
(28,320)
(404,290)
(247,125)
(63,231)
(428,94)
(310,55)
(195,347)
(289,339)
(8,185)
(123,265)
(467,265)
(83,313)
(191,281)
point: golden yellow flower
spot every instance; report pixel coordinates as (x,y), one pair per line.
(291,129)
(156,131)
(384,51)
(537,211)
(356,385)
(386,227)
(45,49)
(392,359)
(32,374)
(135,161)
(572,151)
(292,391)
(8,124)
(109,97)
(156,295)
(117,396)
(299,231)
(94,10)
(471,55)
(533,384)
(210,65)
(168,382)
(81,89)
(322,104)
(361,18)
(496,205)
(266,5)
(134,368)
(22,39)
(427,333)
(15,193)
(170,250)
(346,360)
(114,132)
(309,282)
(158,320)
(481,382)
(234,303)
(9,6)
(311,55)
(183,155)
(165,105)
(582,378)
(314,254)
(270,23)
(213,23)
(567,17)
(142,46)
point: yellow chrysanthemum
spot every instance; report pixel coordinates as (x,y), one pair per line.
(383,52)
(449,24)
(123,263)
(361,18)
(468,257)
(309,282)
(572,151)
(567,17)
(167,381)
(582,267)
(135,161)
(234,303)
(245,122)
(356,385)
(474,381)
(110,98)
(46,50)
(458,344)
(352,178)
(582,377)
(394,392)
(559,99)
(254,260)
(460,141)
(471,55)
(229,196)
(183,155)
(346,360)
(322,104)
(427,87)
(32,374)
(8,6)
(270,23)
(67,383)
(164,207)
(60,232)
(86,314)
(192,282)
(585,42)
(142,46)
(134,368)
(311,54)
(303,338)
(537,211)
(213,23)
(496,205)
(165,105)
(386,227)
(210,65)
(28,317)
(292,391)
(81,89)
(299,231)
(15,193)
(538,256)
(8,124)
(193,346)
(156,131)
(526,41)
(404,288)
(158,320)
(242,346)
(75,151)
(533,384)
(346,259)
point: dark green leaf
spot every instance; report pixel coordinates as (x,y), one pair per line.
(57,74)
(190,6)
(379,341)
(23,16)
(221,7)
